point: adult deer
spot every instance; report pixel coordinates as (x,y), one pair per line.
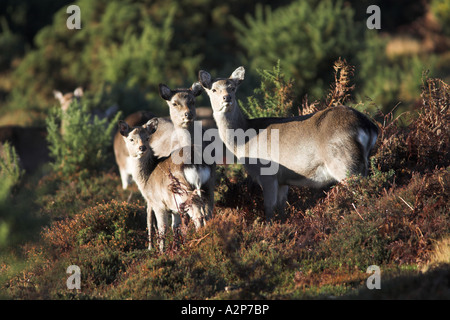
(158,179)
(314,150)
(173,133)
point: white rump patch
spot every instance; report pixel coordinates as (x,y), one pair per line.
(197,176)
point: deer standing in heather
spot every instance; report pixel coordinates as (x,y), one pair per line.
(314,150)
(155,179)
(172,134)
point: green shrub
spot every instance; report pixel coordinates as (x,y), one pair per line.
(307,36)
(11,45)
(10,175)
(82,143)
(274,97)
(10,169)
(387,81)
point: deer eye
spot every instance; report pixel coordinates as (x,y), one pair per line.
(131,140)
(213,90)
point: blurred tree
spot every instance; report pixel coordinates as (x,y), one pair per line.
(307,36)
(441,9)
(129,44)
(27,17)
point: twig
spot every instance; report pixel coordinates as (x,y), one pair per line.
(357,212)
(197,241)
(412,209)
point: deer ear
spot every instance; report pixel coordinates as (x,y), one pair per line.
(165,92)
(238,75)
(205,79)
(124,128)
(196,89)
(57,94)
(78,93)
(151,125)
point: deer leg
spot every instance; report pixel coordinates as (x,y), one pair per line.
(176,222)
(270,193)
(124,178)
(149,226)
(162,221)
(209,201)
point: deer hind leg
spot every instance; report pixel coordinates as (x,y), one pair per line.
(270,193)
(176,222)
(149,226)
(125,178)
(347,158)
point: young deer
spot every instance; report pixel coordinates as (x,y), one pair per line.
(121,154)
(158,179)
(314,150)
(173,133)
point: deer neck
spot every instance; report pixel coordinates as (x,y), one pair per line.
(185,136)
(230,121)
(142,168)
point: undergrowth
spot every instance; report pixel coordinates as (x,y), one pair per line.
(396,218)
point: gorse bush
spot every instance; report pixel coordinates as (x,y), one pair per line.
(78,141)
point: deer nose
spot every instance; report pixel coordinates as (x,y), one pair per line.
(227,98)
(142,148)
(188,115)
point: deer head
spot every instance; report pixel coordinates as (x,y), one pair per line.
(222,91)
(181,103)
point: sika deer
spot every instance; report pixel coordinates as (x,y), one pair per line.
(156,179)
(314,150)
(173,133)
(67,99)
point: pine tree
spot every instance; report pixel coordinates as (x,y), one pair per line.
(274,97)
